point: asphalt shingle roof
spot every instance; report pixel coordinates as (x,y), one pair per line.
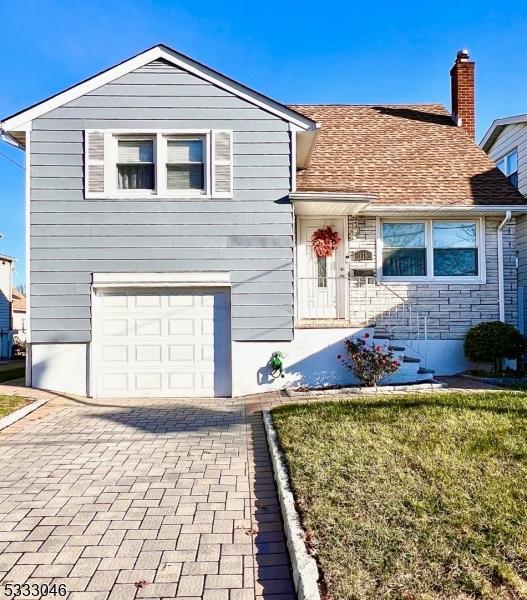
(405,154)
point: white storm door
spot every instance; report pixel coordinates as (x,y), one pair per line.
(161,343)
(321,281)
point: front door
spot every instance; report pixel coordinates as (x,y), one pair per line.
(321,281)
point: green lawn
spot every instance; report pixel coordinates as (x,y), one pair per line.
(415,498)
(12,369)
(10,403)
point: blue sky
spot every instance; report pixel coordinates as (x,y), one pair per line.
(349,52)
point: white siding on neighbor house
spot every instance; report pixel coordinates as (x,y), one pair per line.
(512,137)
(452,308)
(5,294)
(249,235)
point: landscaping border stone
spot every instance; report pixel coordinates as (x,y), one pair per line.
(20,413)
(380,389)
(305,568)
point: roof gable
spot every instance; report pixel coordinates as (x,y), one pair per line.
(20,120)
(498,125)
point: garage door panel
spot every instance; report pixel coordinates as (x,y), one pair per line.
(183,326)
(148,353)
(115,327)
(147,301)
(162,344)
(116,382)
(115,354)
(181,352)
(148,382)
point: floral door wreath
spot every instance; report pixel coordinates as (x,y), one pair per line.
(325,241)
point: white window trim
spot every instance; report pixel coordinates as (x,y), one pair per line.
(504,158)
(430,277)
(160,137)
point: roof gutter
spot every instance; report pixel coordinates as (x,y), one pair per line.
(501,279)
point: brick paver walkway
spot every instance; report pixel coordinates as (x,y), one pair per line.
(149,499)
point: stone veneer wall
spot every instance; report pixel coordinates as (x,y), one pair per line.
(451,308)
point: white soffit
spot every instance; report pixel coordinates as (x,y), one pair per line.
(330,203)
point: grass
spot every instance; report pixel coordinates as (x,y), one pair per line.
(8,404)
(413,497)
(13,369)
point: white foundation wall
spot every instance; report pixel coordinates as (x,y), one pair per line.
(59,367)
(311,360)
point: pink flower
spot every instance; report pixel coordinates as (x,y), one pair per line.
(366,335)
(339,356)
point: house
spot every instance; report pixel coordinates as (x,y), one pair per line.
(506,144)
(18,312)
(6,290)
(184,227)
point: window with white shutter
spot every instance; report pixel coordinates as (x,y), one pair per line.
(94,164)
(158,163)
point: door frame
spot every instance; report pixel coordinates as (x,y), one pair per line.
(345,241)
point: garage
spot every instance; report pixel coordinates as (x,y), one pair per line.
(161,342)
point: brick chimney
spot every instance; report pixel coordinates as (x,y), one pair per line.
(462,80)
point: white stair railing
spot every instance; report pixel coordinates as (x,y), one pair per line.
(359,301)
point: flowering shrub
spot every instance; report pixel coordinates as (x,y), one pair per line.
(325,241)
(370,364)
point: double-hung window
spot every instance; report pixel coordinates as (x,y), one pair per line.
(508,165)
(185,164)
(135,164)
(430,250)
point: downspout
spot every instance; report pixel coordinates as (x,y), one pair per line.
(501,281)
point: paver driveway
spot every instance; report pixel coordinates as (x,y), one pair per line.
(178,495)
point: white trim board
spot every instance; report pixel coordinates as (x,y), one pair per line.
(496,127)
(197,279)
(19,120)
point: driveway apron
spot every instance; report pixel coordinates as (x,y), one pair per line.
(142,499)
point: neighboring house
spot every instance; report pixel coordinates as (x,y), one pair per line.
(6,291)
(506,143)
(172,212)
(19,315)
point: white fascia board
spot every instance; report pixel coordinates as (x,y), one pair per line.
(197,279)
(496,127)
(497,209)
(15,122)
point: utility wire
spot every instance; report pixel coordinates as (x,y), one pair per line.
(13,161)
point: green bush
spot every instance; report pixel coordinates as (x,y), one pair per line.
(493,341)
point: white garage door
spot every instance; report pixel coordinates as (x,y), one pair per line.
(161,343)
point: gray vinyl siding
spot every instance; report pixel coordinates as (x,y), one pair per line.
(250,235)
(512,137)
(5,295)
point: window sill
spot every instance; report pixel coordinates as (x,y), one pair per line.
(445,280)
(142,195)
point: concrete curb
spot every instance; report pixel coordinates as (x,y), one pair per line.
(21,413)
(493,381)
(368,391)
(305,568)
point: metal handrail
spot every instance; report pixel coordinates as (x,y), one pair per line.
(324,299)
